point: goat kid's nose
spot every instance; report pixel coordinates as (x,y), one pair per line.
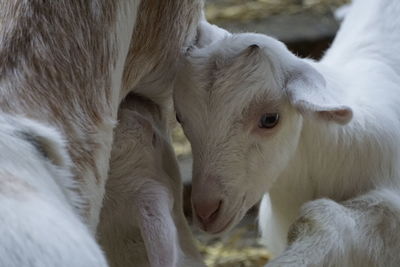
(207,210)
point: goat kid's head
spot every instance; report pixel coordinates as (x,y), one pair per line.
(141,143)
(241,102)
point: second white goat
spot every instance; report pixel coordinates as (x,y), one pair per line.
(262,120)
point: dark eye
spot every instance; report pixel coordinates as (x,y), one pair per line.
(178,119)
(268,120)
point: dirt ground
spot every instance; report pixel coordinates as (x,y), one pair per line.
(241,247)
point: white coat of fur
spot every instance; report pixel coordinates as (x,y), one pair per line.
(39,203)
(62,64)
(336,145)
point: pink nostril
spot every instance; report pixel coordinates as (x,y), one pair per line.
(207,211)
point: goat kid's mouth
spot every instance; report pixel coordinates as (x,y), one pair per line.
(225,220)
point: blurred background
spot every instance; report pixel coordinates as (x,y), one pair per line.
(307,27)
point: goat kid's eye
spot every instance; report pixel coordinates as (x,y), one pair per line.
(268,120)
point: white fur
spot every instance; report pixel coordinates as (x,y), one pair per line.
(40,211)
(126,21)
(341,12)
(142,211)
(84,113)
(37,200)
(338,138)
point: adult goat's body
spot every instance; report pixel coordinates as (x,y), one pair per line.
(63,64)
(302,131)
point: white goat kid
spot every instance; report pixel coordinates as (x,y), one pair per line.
(38,202)
(143,208)
(262,120)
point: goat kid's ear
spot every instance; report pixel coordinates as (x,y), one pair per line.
(250,51)
(307,91)
(247,59)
